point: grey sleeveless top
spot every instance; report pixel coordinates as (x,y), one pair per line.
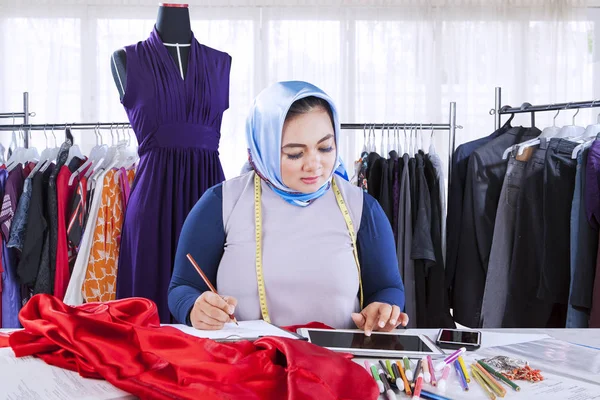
(309,269)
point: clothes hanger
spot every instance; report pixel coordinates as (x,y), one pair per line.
(570,130)
(399,143)
(515,146)
(74,151)
(431,144)
(96,153)
(551,131)
(17,155)
(589,136)
(382,147)
(53,153)
(364,149)
(374,140)
(546,133)
(43,157)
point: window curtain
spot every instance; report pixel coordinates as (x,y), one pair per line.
(389,61)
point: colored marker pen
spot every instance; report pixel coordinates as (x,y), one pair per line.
(450,359)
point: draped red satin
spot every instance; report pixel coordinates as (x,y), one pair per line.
(122,342)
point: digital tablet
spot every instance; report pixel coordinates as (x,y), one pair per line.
(379,344)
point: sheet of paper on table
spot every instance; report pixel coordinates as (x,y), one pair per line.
(29,378)
(246,329)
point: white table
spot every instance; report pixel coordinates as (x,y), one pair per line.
(49,375)
(589,387)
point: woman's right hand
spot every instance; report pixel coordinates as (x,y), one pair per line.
(211,311)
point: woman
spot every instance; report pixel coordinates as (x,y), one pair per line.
(298,213)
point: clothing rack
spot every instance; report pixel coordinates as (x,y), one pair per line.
(25,114)
(527,107)
(80,126)
(450,126)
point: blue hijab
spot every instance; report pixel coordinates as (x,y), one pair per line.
(264,129)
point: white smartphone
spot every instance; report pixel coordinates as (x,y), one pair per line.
(394,344)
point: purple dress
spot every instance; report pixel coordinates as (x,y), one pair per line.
(177,123)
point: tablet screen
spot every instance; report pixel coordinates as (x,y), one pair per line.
(358,340)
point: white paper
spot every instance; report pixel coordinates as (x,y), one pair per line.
(246,329)
(29,378)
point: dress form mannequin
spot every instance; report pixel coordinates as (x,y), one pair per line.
(173,27)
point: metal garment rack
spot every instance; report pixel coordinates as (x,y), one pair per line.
(450,126)
(79,126)
(500,110)
(25,114)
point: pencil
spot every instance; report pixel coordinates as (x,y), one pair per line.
(496,387)
(482,383)
(464,369)
(499,375)
(210,286)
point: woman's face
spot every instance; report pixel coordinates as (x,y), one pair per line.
(308,151)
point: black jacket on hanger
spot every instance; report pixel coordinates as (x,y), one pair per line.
(485,177)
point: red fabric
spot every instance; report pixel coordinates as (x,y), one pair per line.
(122,342)
(64,194)
(314,325)
(27,169)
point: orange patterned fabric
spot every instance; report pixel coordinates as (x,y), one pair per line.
(101,276)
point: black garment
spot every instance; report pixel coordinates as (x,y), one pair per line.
(35,234)
(412,174)
(385,189)
(374,173)
(523,308)
(485,176)
(587,248)
(52,231)
(559,185)
(422,253)
(438,310)
(460,162)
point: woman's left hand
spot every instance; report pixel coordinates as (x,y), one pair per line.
(379,317)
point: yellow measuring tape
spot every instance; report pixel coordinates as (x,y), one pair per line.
(264,310)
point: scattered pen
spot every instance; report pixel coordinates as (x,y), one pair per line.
(450,359)
(386,385)
(386,373)
(461,377)
(418,384)
(391,371)
(426,374)
(432,396)
(210,286)
(416,374)
(407,389)
(407,371)
(376,377)
(463,367)
(398,375)
(444,379)
(431,370)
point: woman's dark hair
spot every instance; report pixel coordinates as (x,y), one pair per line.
(306,105)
